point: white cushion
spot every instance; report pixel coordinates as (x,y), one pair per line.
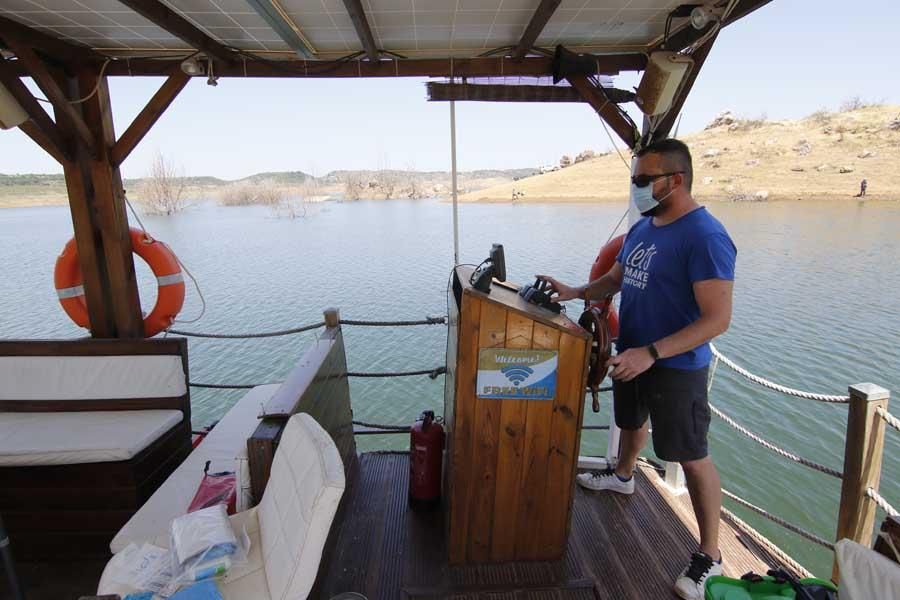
(866,574)
(225,446)
(70,438)
(91,377)
(298,506)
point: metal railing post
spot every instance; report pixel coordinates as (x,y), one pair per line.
(863,451)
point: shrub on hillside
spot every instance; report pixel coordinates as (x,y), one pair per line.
(748,124)
(857,103)
(820,117)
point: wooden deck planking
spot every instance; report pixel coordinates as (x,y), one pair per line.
(619,547)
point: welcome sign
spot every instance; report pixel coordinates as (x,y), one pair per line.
(505,374)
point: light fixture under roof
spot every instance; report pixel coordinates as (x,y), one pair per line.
(11,112)
(701,16)
(192,66)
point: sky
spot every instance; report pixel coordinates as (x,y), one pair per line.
(786,60)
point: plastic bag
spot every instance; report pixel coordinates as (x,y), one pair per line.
(216,488)
(205,546)
(147,567)
(205,532)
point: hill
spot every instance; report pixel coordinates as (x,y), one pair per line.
(824,155)
(20,190)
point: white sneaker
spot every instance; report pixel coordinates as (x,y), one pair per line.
(691,584)
(605,480)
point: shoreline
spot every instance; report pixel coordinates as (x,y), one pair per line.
(56,201)
(702,199)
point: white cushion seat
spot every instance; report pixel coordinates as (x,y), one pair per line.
(30,439)
(289,527)
(226,449)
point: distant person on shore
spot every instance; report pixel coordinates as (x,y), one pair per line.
(862,188)
(676,273)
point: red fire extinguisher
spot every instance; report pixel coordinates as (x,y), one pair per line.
(426,445)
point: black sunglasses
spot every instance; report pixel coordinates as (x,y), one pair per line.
(645,180)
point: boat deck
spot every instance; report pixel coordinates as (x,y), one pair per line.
(620,547)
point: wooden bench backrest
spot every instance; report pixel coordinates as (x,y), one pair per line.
(91,374)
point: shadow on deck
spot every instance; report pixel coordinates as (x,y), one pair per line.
(619,547)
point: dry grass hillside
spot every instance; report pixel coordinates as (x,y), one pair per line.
(823,156)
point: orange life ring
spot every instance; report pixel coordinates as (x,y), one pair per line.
(162,261)
(605,260)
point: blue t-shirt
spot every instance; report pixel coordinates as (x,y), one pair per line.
(660,266)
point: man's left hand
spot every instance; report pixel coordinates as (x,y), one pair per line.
(629,364)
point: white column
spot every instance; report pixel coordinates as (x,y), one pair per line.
(453,184)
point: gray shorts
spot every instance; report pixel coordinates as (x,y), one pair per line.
(676,402)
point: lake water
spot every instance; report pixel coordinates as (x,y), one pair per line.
(816,308)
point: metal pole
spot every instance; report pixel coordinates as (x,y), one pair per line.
(8,564)
(453,177)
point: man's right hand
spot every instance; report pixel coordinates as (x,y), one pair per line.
(563,292)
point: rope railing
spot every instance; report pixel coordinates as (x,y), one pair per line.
(242,336)
(767,444)
(834,399)
(890,419)
(760,539)
(226,386)
(778,520)
(382,426)
(880,501)
(432,373)
(431,320)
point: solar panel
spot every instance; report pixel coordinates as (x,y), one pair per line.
(414,28)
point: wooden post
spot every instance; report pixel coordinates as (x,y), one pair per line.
(97,204)
(863,452)
(332,317)
(261,448)
(111,213)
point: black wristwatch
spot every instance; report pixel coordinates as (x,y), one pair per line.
(653,351)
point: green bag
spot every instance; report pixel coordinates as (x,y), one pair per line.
(755,587)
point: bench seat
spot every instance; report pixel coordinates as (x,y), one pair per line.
(71,438)
(89,428)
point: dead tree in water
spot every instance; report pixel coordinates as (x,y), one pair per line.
(163,191)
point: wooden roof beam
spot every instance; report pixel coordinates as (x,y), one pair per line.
(161,15)
(538,21)
(148,116)
(363,31)
(48,45)
(607,110)
(48,84)
(40,128)
(535,66)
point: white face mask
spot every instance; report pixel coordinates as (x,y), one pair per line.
(643,198)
